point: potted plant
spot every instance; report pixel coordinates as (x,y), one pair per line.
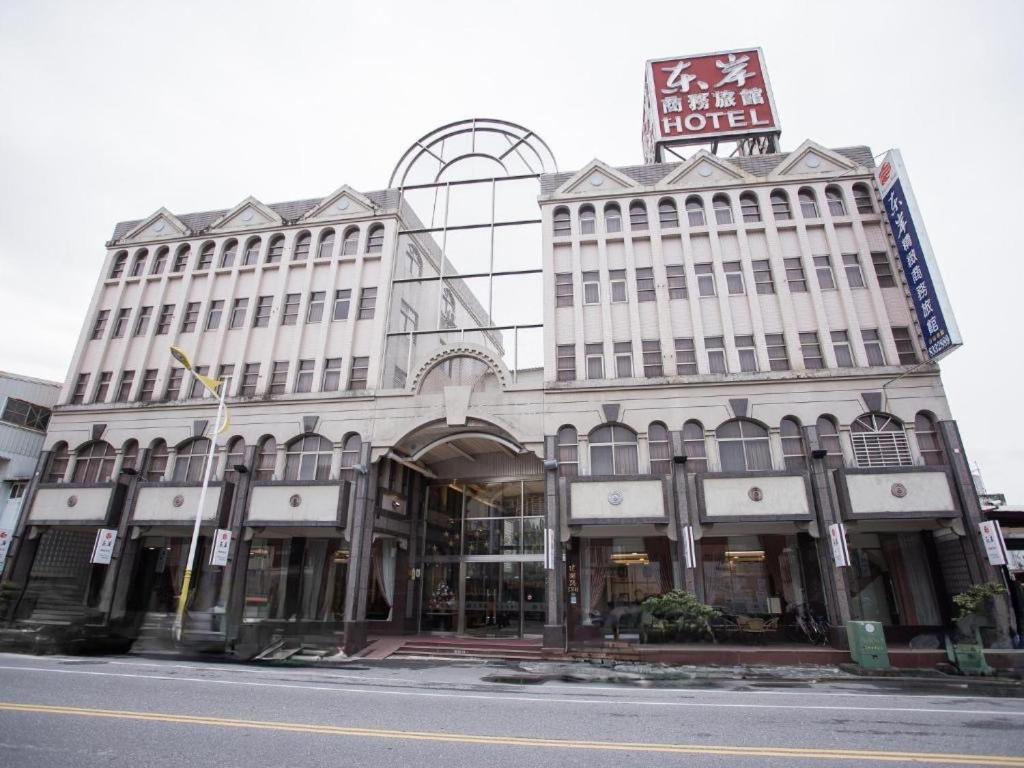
(675,615)
(973,609)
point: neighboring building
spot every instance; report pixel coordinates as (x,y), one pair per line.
(454,411)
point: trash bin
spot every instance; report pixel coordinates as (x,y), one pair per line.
(867,644)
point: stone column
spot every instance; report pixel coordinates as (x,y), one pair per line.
(233,586)
(361,535)
(554,623)
(681,508)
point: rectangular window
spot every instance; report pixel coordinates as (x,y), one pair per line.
(705,279)
(163,326)
(315,311)
(100,324)
(778,357)
(795,275)
(715,347)
(26,414)
(278,377)
(120,323)
(872,346)
(591,288)
(566,362)
(904,346)
(749,208)
(447,308)
(624,359)
(563,289)
(180,260)
(226,374)
(810,348)
(290,312)
(883,269)
(261,318)
(205,257)
(238,310)
(763,280)
(17,489)
(617,284)
(823,266)
(276,250)
(124,386)
(342,299)
(645,284)
(841,348)
(197,390)
(653,366)
(102,387)
(747,353)
(142,321)
(733,277)
(81,386)
(213,314)
(410,317)
(332,374)
(676,281)
(854,275)
(159,262)
(686,357)
(360,368)
(367,303)
(595,360)
(301,250)
(191,317)
(304,378)
(250,380)
(174,379)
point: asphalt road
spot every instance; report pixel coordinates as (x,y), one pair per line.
(126,711)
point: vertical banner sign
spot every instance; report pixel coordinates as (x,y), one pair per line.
(689,550)
(103,548)
(550,550)
(927,292)
(221,547)
(840,549)
(5,544)
(992,538)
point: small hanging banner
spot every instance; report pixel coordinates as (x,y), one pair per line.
(221,547)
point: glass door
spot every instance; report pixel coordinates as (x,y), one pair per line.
(493,599)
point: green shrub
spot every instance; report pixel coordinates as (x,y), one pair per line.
(681,611)
(972,602)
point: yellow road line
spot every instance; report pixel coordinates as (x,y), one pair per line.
(516,741)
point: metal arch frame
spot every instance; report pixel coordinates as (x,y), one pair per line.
(509,445)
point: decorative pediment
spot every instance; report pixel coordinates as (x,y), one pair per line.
(343,203)
(704,170)
(161,225)
(811,159)
(248,214)
(596,178)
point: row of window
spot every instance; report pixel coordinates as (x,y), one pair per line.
(764,280)
(743,445)
(721,203)
(25,414)
(715,350)
(236,314)
(250,252)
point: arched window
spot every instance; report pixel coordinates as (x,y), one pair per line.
(743,446)
(612,218)
(808,203)
(130,454)
(880,441)
(308,458)
(668,214)
(561,225)
(58,465)
(568,452)
(375,239)
(793,453)
(862,198)
(928,439)
(350,449)
(659,449)
(828,437)
(834,197)
(780,206)
(613,451)
(588,220)
(181,258)
(252,252)
(156,465)
(326,245)
(694,447)
(190,463)
(695,211)
(139,263)
(301,250)
(94,463)
(749,207)
(117,265)
(227,256)
(723,209)
(160,261)
(350,243)
(235,456)
(275,251)
(206,256)
(637,215)
(266,458)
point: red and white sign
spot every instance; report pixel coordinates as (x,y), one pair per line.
(712,95)
(840,549)
(103,549)
(221,547)
(992,538)
(5,544)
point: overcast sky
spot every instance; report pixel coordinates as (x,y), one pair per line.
(111,110)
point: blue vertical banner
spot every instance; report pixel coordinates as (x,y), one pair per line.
(927,292)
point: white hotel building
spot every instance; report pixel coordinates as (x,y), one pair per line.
(497,399)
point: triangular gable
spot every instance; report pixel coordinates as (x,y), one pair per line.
(704,170)
(247,214)
(343,202)
(161,225)
(596,178)
(812,159)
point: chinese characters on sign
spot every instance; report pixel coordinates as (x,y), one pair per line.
(992,538)
(927,293)
(840,549)
(701,97)
(103,548)
(221,547)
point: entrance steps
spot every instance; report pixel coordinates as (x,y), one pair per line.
(470,648)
